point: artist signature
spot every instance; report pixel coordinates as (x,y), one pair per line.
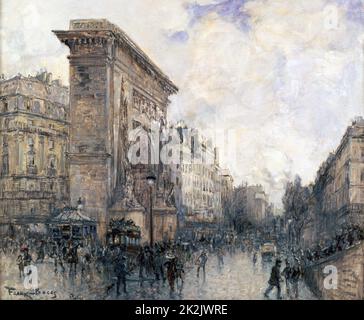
(31,293)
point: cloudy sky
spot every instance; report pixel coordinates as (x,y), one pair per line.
(281,78)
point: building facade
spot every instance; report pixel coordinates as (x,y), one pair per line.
(34,126)
(227,189)
(338,191)
(198,178)
(116,94)
(257,203)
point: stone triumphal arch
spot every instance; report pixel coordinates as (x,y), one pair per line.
(112,83)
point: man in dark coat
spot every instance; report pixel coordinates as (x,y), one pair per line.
(171,265)
(201,263)
(295,277)
(220,258)
(159,265)
(287,272)
(20,263)
(40,252)
(27,258)
(141,259)
(274,280)
(120,272)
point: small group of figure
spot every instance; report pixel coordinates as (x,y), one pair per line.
(291,275)
(175,271)
(160,264)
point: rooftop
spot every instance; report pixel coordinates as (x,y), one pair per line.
(72,215)
(41,76)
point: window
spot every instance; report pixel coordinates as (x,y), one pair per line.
(29,105)
(362,176)
(51,144)
(36,106)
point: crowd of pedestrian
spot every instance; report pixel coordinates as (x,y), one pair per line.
(165,261)
(345,238)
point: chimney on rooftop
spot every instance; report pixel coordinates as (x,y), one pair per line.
(42,76)
(48,78)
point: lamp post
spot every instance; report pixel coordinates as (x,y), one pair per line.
(151,180)
(289,231)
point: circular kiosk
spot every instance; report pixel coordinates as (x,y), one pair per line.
(72,224)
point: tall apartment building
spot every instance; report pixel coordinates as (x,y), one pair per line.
(34,113)
(198,178)
(338,191)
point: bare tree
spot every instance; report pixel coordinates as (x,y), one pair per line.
(296,206)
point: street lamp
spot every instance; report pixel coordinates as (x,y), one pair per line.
(151,180)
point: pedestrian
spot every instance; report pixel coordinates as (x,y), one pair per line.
(220,258)
(180,273)
(20,263)
(141,261)
(255,258)
(72,257)
(295,277)
(201,262)
(120,269)
(58,260)
(274,280)
(149,261)
(27,258)
(40,252)
(171,266)
(159,265)
(84,258)
(287,272)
